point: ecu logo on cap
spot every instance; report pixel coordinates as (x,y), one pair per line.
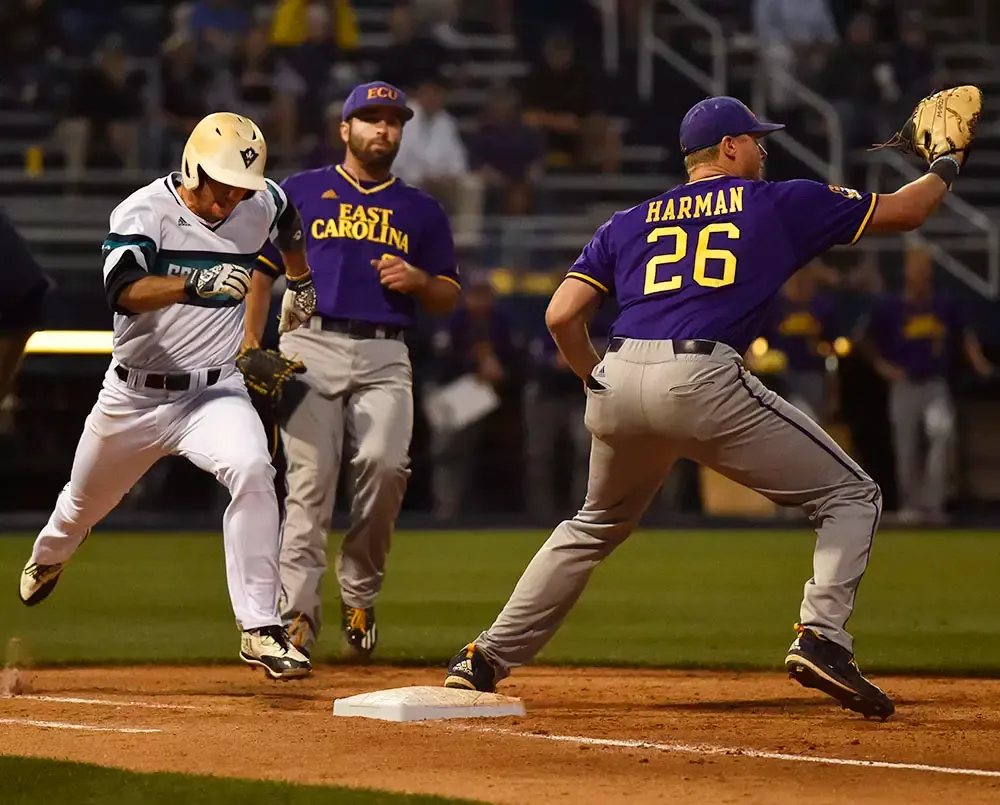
(249,156)
(382,93)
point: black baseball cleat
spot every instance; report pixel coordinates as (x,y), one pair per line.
(270,648)
(360,632)
(470,670)
(815,662)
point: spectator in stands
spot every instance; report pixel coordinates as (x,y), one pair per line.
(219,26)
(911,339)
(851,81)
(790,33)
(433,157)
(410,59)
(508,155)
(476,341)
(105,106)
(184,88)
(311,52)
(29,34)
(330,147)
(267,90)
(562,100)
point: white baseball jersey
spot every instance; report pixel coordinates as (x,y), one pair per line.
(169,240)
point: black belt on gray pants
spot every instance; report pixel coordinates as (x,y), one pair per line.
(178,382)
(685,346)
(360,329)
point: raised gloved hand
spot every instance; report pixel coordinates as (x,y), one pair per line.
(942,124)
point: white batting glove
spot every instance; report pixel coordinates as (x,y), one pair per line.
(298,304)
(224,279)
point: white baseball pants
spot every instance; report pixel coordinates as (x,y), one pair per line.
(217,429)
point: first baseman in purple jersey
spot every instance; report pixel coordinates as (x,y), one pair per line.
(694,271)
(378,249)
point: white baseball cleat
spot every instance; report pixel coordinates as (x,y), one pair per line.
(270,648)
(37,581)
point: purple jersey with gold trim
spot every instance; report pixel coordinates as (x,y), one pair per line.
(798,329)
(917,336)
(705,259)
(348,224)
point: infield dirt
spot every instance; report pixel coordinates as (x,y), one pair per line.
(231,721)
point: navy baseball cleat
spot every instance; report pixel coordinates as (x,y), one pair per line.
(360,633)
(815,662)
(470,670)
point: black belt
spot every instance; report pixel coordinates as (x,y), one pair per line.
(179,382)
(687,346)
(360,329)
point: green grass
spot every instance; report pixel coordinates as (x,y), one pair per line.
(31,781)
(681,599)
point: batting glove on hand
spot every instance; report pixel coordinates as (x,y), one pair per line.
(224,279)
(298,304)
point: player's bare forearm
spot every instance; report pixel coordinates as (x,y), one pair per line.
(570,308)
(296,266)
(575,346)
(258,303)
(974,352)
(152,293)
(438,296)
(909,206)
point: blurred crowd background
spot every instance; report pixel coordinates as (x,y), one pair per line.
(534,121)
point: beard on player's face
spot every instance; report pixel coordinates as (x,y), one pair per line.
(373,144)
(374,154)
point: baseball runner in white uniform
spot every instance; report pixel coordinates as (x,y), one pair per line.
(177,265)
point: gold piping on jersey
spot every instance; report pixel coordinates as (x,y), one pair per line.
(585,278)
(864,223)
(357,185)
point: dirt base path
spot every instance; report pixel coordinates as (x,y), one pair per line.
(231,721)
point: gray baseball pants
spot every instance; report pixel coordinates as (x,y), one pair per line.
(361,391)
(657,406)
(922,408)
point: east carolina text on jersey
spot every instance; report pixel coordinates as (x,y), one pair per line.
(358,222)
(350,223)
(168,240)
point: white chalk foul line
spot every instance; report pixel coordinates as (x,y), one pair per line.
(704,749)
(108,702)
(62,725)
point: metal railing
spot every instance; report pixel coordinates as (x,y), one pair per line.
(988,286)
(830,167)
(609,34)
(652,46)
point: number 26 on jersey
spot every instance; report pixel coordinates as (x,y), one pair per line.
(714,267)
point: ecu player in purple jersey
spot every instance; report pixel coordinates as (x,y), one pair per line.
(694,271)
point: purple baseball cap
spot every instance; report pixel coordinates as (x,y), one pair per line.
(376,93)
(708,121)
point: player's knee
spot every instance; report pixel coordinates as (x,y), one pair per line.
(251,473)
(379,461)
